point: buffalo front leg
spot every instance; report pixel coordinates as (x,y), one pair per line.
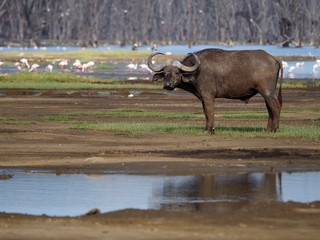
(208,108)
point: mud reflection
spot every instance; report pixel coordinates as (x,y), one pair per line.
(72,195)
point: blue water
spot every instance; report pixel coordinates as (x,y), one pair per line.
(180,49)
(121,70)
(75,194)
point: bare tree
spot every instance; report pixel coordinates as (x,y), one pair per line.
(144,21)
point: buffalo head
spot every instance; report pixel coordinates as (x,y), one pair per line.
(173,74)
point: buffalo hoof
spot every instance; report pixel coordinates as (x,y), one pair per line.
(211,131)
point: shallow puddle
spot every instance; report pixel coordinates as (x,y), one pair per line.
(74,194)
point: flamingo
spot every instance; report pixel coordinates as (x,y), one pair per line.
(24,62)
(63,63)
(77,65)
(284,64)
(34,67)
(50,67)
(17,64)
(144,67)
(84,67)
(315,68)
(291,69)
(132,66)
(90,64)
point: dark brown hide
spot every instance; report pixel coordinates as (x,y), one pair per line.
(228,74)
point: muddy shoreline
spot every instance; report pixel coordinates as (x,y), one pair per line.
(51,145)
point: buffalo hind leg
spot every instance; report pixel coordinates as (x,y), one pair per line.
(208,108)
(274,107)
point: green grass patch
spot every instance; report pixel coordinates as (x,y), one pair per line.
(290,83)
(99,66)
(58,80)
(7,119)
(79,85)
(135,113)
(246,116)
(56,118)
(19,123)
(83,55)
(285,131)
(123,113)
(303,132)
(144,128)
(58,77)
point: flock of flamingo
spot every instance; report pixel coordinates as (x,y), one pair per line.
(293,68)
(84,67)
(76,66)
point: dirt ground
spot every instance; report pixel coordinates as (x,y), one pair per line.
(53,145)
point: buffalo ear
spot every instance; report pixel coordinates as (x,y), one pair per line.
(188,78)
(158,77)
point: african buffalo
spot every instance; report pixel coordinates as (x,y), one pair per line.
(215,73)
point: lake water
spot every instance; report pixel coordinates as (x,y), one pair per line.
(180,49)
(120,70)
(40,193)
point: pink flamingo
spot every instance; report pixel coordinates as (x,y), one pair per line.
(85,67)
(63,63)
(24,62)
(90,64)
(34,67)
(144,67)
(50,67)
(77,65)
(132,66)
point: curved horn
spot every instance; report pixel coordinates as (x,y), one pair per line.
(187,68)
(152,66)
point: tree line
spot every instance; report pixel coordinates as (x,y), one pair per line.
(88,22)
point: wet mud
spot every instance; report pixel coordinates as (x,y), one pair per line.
(54,146)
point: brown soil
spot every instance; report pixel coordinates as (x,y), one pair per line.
(54,145)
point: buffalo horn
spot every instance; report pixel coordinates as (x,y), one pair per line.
(186,68)
(152,66)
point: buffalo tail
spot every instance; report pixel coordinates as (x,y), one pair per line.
(280,88)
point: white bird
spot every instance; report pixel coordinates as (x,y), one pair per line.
(18,65)
(284,64)
(24,62)
(315,68)
(77,65)
(50,67)
(34,67)
(1,63)
(85,67)
(145,67)
(132,66)
(130,95)
(291,69)
(63,63)
(90,64)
